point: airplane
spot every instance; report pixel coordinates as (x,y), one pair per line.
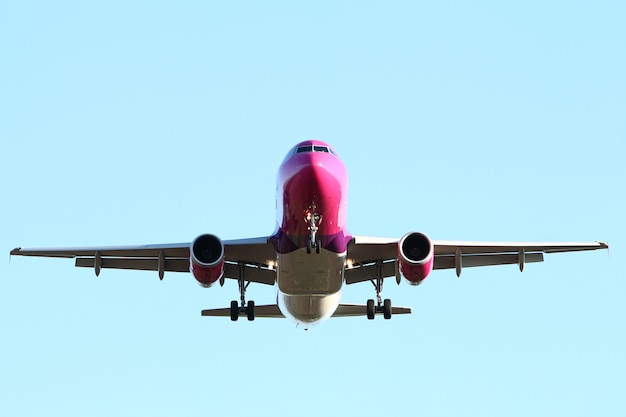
(311,255)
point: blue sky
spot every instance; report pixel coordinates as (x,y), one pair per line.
(154,122)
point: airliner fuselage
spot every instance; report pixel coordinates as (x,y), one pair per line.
(311,238)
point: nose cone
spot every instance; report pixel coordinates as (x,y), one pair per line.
(312,184)
(313,164)
(312,180)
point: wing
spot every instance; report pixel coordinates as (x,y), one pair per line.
(366,256)
(253,254)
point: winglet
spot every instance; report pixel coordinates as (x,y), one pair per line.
(15,251)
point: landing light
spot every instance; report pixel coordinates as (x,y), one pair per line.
(271,265)
(349,264)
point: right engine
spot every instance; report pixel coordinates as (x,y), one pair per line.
(415,256)
(207,259)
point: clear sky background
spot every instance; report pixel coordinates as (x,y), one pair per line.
(152,122)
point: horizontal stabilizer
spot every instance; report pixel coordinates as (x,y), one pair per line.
(354,310)
(267,311)
(272,311)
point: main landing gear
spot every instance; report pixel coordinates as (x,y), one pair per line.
(380,306)
(246,309)
(236,311)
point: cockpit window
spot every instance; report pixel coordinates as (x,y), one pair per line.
(302,149)
(311,148)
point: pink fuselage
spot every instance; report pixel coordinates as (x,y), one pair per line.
(311,194)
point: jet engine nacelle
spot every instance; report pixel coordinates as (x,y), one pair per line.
(415,256)
(207,259)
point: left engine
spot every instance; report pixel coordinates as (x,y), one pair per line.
(415,256)
(207,259)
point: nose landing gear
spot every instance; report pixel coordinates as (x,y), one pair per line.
(311,245)
(313,219)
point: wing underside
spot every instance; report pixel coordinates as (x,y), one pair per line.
(248,257)
(372,257)
(367,258)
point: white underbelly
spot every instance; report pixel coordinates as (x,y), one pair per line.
(308,309)
(302,273)
(309,284)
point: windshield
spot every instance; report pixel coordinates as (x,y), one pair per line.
(311,148)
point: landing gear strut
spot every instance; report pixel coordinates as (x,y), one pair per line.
(380,306)
(248,309)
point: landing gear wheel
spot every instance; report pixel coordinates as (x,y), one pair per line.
(310,245)
(371,310)
(387,309)
(250,310)
(234,310)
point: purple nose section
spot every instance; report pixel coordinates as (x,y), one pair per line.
(313,195)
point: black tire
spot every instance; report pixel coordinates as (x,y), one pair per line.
(317,247)
(371,310)
(308,246)
(234,310)
(387,309)
(250,310)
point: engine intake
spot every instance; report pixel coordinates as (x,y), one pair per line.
(415,256)
(207,259)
